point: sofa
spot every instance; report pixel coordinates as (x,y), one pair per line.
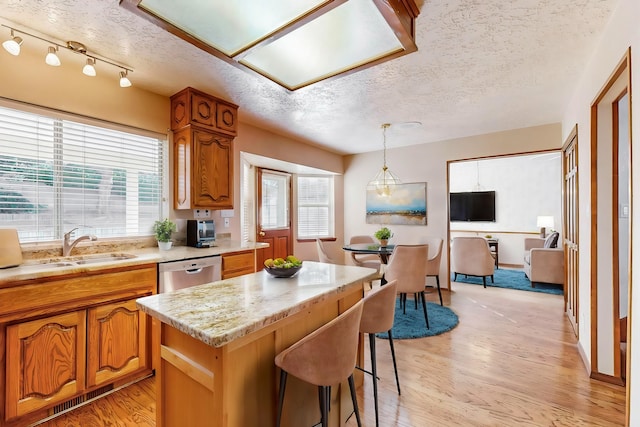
(543,261)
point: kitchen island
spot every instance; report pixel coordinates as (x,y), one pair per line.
(218,342)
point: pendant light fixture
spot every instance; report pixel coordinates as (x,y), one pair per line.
(385,181)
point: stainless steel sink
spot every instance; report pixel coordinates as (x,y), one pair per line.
(104,258)
(53,263)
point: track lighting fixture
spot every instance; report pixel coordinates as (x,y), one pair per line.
(89,69)
(13,46)
(124,80)
(52,57)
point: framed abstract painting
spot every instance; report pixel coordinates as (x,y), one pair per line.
(406,205)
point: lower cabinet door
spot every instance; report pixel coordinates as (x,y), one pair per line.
(45,362)
(116,343)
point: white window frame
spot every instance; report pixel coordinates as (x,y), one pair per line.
(82,120)
(330,205)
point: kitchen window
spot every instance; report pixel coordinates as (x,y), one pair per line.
(58,172)
(315,207)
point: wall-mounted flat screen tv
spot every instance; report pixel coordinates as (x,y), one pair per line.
(473,206)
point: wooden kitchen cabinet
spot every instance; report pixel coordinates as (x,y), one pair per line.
(238,263)
(116,342)
(203,170)
(69,338)
(192,107)
(204,127)
(45,362)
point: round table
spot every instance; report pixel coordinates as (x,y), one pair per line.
(371,248)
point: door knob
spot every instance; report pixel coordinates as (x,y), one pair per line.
(262,234)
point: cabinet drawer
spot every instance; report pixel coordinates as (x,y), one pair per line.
(238,264)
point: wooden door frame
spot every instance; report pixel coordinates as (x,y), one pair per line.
(572,267)
(260,253)
(623,66)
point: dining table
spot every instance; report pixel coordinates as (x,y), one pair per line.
(371,248)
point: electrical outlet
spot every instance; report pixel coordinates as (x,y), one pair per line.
(201,213)
(226,223)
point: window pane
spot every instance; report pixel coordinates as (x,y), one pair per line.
(315,207)
(57,174)
(275,201)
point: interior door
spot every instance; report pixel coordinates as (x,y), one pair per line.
(570,231)
(274,214)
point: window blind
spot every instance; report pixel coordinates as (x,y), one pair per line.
(57,174)
(315,207)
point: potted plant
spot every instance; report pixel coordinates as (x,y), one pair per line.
(384,234)
(163,230)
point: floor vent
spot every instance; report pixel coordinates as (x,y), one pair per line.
(80,400)
(98,392)
(67,405)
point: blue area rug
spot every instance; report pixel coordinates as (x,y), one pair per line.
(511,279)
(412,324)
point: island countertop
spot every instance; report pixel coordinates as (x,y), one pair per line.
(219,312)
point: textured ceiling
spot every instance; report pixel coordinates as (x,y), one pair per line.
(482,66)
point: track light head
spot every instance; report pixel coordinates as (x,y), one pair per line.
(89,69)
(52,57)
(13,45)
(124,80)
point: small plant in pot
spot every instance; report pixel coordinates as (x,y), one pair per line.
(384,234)
(163,230)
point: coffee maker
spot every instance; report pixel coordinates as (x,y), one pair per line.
(201,233)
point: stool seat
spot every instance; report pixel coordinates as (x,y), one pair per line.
(377,316)
(325,357)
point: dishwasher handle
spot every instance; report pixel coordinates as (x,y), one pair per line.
(194,271)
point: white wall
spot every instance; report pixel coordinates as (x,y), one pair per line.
(428,163)
(621,33)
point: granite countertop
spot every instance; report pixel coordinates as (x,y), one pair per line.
(220,312)
(59,266)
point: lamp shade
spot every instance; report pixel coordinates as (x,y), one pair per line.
(13,45)
(545,221)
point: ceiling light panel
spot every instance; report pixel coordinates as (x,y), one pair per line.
(293,43)
(230,26)
(344,38)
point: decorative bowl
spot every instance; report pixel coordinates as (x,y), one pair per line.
(282,272)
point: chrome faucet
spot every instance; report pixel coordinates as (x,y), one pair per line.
(68,245)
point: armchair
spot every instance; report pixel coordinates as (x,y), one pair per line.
(543,265)
(471,256)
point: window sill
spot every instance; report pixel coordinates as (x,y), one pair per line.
(324,239)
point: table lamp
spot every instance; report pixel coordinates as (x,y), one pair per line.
(543,222)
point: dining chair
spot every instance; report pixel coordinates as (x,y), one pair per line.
(377,316)
(471,256)
(433,261)
(323,254)
(364,260)
(409,268)
(325,357)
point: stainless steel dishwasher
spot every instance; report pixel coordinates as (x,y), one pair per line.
(189,272)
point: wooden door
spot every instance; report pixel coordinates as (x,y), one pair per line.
(45,362)
(571,215)
(274,215)
(116,344)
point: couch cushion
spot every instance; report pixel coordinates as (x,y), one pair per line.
(552,240)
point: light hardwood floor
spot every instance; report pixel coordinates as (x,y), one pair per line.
(512,361)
